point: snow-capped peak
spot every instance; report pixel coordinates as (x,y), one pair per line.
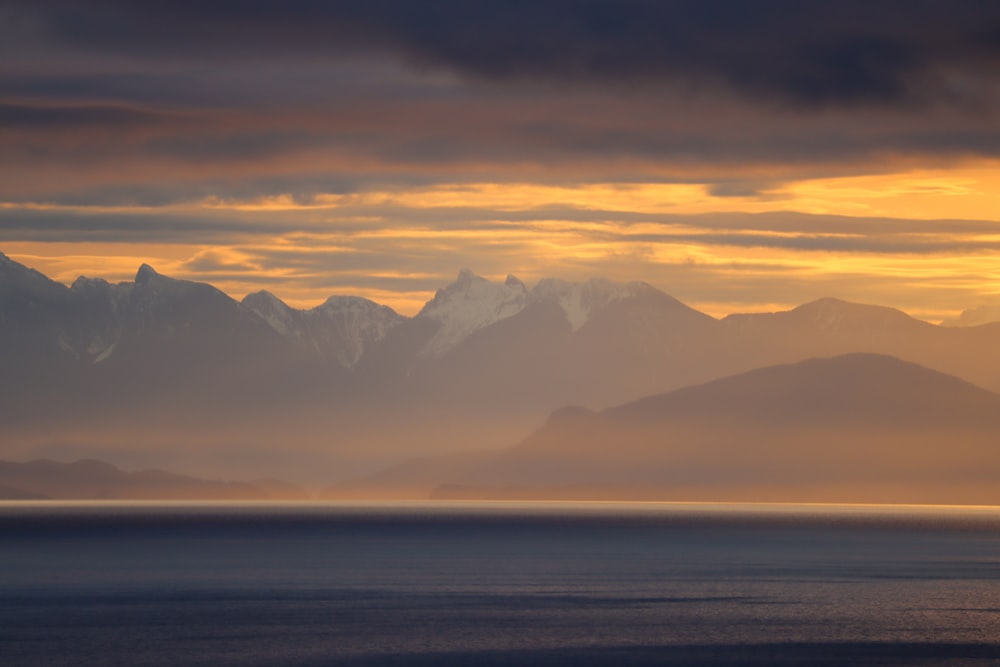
(355,322)
(469,304)
(271,309)
(341,328)
(579,300)
(355,304)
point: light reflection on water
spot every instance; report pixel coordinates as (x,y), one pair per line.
(305,583)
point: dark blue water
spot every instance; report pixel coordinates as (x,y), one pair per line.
(445,584)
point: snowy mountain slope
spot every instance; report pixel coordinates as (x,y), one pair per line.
(467,305)
(595,343)
(341,329)
(100,313)
(579,300)
(472,303)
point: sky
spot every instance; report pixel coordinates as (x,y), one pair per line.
(740,155)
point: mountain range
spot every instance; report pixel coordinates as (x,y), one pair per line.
(159,372)
(853,428)
(97,480)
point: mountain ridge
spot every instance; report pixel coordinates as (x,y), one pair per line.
(92,479)
(183,375)
(879,430)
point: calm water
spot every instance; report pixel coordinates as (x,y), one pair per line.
(430,584)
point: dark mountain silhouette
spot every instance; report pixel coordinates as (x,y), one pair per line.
(854,428)
(97,480)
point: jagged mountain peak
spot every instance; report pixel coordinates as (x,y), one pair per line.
(514,281)
(342,328)
(472,302)
(467,276)
(262,298)
(467,305)
(151,286)
(146,274)
(468,286)
(16,278)
(278,315)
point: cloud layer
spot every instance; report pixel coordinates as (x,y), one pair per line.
(381,145)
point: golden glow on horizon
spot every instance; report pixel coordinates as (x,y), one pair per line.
(970,192)
(397,247)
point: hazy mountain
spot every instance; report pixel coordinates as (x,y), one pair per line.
(97,480)
(854,428)
(154,364)
(826,326)
(33,341)
(972,317)
(173,373)
(595,343)
(155,323)
(830,327)
(413,479)
(11,493)
(484,362)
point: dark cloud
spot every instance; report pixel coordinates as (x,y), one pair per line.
(113,102)
(172,105)
(48,118)
(825,52)
(363,143)
(739,188)
(62,225)
(348,228)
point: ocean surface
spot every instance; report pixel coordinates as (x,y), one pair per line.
(497,584)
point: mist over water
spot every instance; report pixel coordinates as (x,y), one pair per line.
(497,583)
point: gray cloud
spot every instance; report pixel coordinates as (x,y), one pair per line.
(819,53)
(112,103)
(782,230)
(107,153)
(48,118)
(133,227)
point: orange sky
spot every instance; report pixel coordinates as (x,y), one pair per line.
(737,165)
(950,266)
